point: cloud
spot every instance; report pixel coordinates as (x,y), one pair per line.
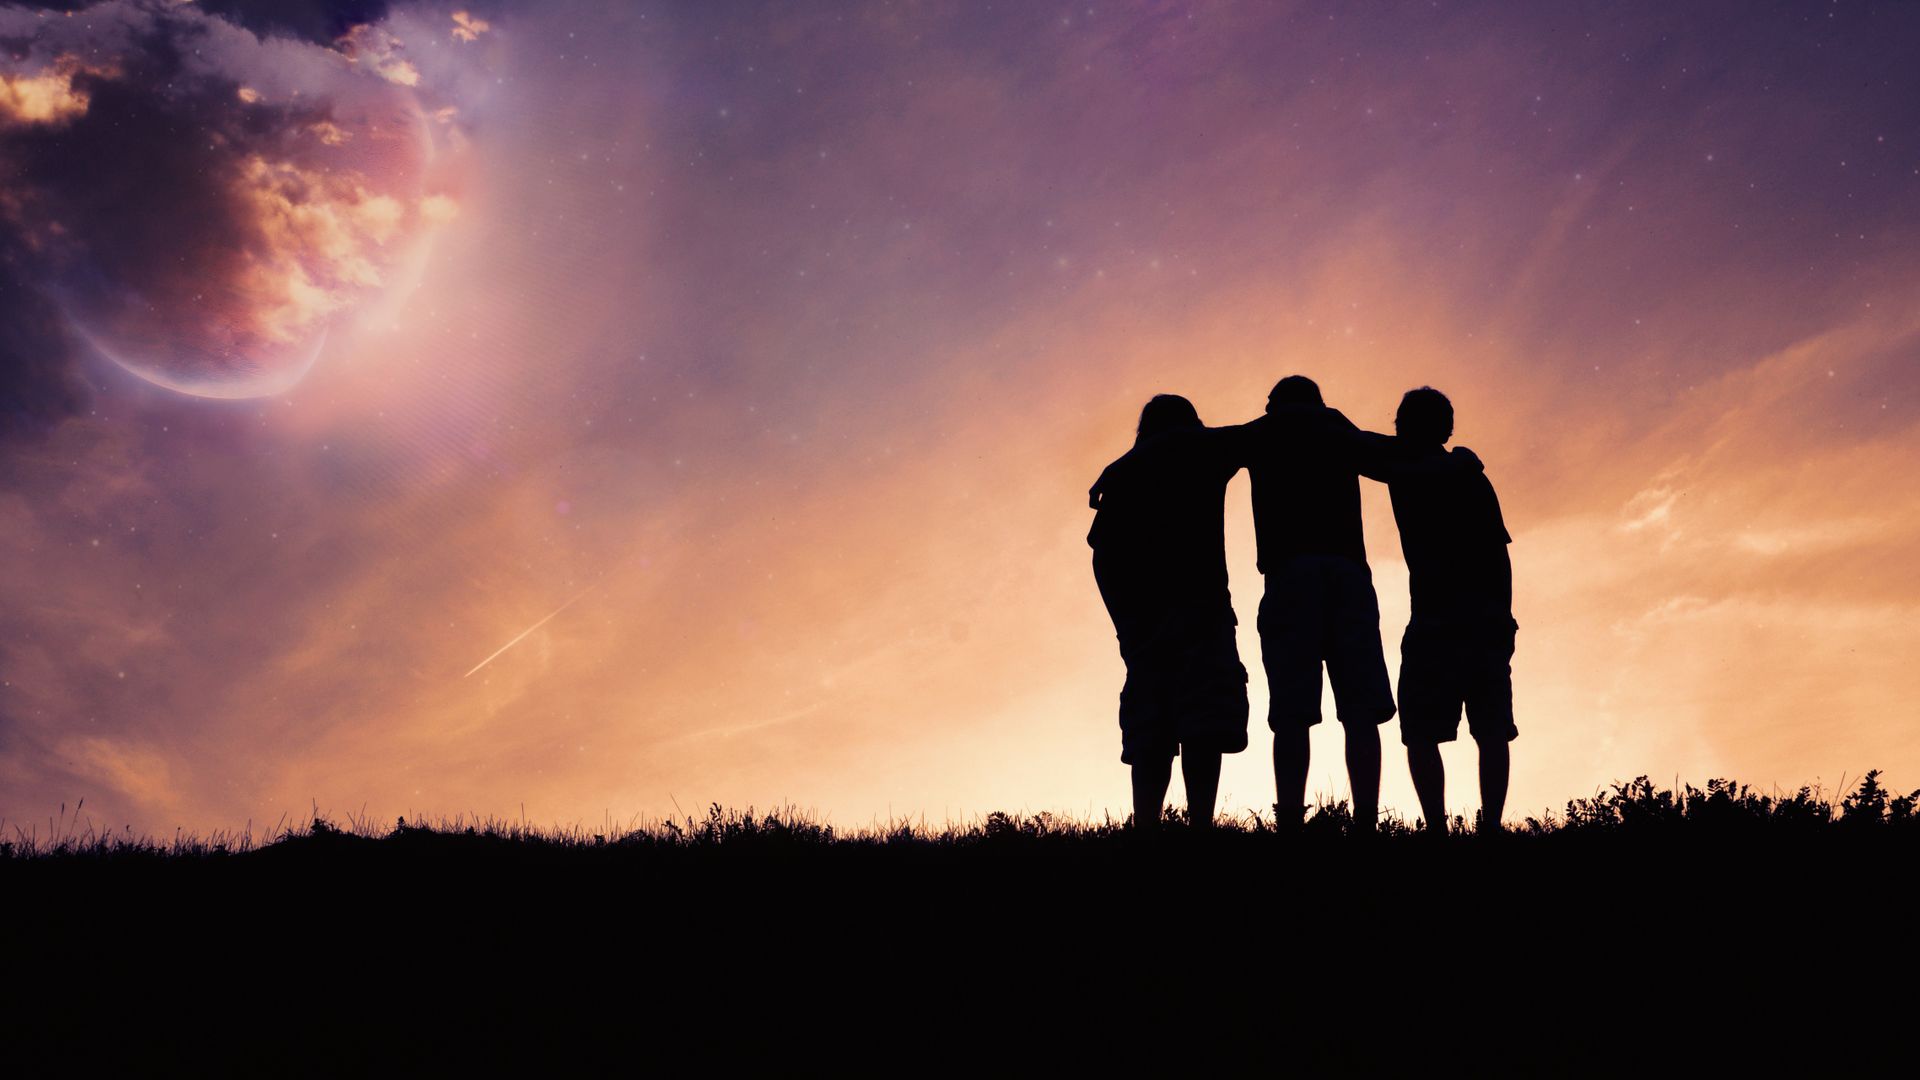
(135,771)
(468,26)
(380,52)
(47,96)
(1650,509)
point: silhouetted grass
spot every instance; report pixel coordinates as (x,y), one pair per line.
(1722,810)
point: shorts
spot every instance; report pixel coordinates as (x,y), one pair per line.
(1185,688)
(1445,668)
(1321,609)
(1185,684)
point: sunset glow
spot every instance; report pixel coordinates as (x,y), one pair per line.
(752,364)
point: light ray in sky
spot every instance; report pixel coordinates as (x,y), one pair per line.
(517,638)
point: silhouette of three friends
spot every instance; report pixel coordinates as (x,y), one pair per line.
(1159,558)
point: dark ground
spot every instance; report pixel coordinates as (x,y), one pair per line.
(1663,933)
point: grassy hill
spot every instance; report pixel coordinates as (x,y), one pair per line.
(1709,922)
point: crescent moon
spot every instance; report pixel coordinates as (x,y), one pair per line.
(266,384)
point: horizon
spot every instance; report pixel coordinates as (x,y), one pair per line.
(621,408)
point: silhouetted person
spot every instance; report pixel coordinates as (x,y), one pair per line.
(1159,556)
(1458,648)
(1320,607)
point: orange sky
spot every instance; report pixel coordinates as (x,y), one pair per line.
(795,342)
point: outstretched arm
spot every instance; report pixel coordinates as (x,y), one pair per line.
(1373,455)
(1239,444)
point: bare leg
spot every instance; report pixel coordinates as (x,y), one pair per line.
(1495,763)
(1201,770)
(1363,771)
(1150,780)
(1430,782)
(1290,753)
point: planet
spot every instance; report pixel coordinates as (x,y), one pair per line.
(305,214)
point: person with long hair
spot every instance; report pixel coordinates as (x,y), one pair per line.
(1159,558)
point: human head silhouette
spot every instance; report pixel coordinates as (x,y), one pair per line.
(1425,417)
(1166,412)
(1295,390)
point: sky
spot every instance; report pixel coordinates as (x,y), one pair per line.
(593,411)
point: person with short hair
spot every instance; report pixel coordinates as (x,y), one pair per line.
(1457,652)
(1319,609)
(1159,558)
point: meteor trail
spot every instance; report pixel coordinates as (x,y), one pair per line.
(531,629)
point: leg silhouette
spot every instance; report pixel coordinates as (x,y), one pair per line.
(1290,751)
(1201,770)
(1363,772)
(1494,766)
(1430,783)
(1150,780)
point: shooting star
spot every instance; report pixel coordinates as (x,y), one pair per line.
(517,637)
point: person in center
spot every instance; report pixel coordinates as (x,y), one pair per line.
(1320,608)
(1159,558)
